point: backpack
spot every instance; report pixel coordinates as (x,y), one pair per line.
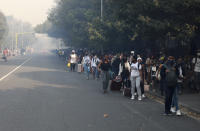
(171,77)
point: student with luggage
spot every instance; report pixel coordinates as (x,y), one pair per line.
(136,77)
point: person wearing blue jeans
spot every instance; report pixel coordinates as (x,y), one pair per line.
(87,70)
(86,65)
(105,66)
(94,63)
(175,107)
(171,73)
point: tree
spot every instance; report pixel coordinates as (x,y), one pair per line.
(127,24)
(3,26)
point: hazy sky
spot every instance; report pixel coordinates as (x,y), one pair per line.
(32,11)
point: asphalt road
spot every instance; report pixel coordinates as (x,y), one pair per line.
(42,96)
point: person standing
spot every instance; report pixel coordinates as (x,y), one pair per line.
(175,106)
(94,63)
(86,65)
(136,77)
(124,71)
(139,59)
(148,70)
(73,60)
(161,72)
(196,69)
(115,65)
(171,77)
(105,66)
(5,54)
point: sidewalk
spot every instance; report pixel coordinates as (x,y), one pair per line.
(187,100)
(191,101)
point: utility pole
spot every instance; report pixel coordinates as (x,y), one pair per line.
(22,36)
(102,21)
(101,9)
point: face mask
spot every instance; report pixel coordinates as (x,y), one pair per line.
(171,62)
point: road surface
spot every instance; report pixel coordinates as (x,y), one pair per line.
(40,95)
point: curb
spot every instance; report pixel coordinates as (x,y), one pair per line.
(186,110)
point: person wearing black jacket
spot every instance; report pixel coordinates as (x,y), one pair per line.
(170,73)
(181,74)
(105,66)
(115,65)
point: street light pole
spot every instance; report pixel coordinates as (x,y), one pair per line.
(101,9)
(102,21)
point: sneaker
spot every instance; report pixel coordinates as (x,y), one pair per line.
(139,98)
(178,113)
(143,96)
(135,94)
(133,97)
(167,114)
(173,110)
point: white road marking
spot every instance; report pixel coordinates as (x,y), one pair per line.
(1,79)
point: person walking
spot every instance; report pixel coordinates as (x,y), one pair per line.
(116,64)
(136,77)
(171,77)
(5,54)
(86,65)
(94,63)
(105,66)
(139,59)
(73,60)
(124,71)
(196,70)
(161,76)
(175,106)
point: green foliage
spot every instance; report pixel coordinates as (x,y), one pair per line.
(126,24)
(3,25)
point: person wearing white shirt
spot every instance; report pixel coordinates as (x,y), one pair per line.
(196,65)
(94,63)
(136,78)
(87,65)
(73,60)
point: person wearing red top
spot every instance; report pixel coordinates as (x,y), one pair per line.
(5,54)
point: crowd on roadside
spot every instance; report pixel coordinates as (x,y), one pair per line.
(6,53)
(134,74)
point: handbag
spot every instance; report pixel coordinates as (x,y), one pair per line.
(68,64)
(146,87)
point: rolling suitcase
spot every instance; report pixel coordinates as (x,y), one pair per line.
(79,68)
(116,84)
(127,89)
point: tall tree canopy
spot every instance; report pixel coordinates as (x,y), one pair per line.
(3,25)
(126,24)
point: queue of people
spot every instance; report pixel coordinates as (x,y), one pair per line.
(131,74)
